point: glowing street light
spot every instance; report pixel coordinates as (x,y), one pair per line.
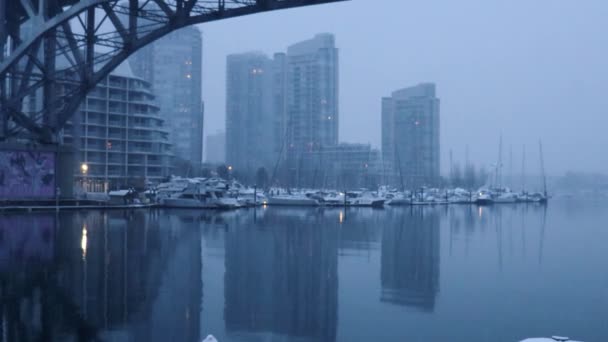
(84,168)
(230,168)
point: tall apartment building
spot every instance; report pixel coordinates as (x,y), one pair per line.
(250,114)
(280,111)
(410,136)
(119,134)
(311,103)
(347,166)
(173,65)
(215,148)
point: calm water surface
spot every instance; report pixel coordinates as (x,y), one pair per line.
(398,274)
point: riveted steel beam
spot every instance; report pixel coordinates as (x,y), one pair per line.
(75,44)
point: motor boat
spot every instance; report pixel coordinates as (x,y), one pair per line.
(506,197)
(330,199)
(484,197)
(397,198)
(247,199)
(196,193)
(210,200)
(552,339)
(459,196)
(460,199)
(363,199)
(210,338)
(538,197)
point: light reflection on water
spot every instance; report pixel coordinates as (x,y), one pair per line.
(399,274)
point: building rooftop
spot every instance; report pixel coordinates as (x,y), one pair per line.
(320,41)
(123,70)
(420,90)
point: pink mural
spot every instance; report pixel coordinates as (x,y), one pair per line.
(27,174)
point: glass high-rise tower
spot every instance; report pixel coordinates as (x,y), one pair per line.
(173,65)
(410,136)
(250,117)
(312,105)
(281,112)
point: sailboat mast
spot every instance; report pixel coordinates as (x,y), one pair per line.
(510,166)
(451,169)
(542,167)
(498,164)
(399,164)
(523,169)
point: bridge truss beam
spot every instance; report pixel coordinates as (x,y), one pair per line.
(55,51)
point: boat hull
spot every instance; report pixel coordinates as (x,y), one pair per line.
(484,201)
(187,203)
(294,202)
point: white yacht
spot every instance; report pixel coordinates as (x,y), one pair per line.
(398,198)
(484,197)
(506,197)
(552,339)
(246,196)
(363,199)
(460,196)
(195,193)
(331,198)
(204,200)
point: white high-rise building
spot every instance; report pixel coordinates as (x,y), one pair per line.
(282,112)
(410,136)
(119,135)
(173,65)
(312,104)
(250,114)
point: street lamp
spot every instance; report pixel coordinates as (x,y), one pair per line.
(84,168)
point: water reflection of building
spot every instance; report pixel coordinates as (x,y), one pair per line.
(410,259)
(281,277)
(117,275)
(363,233)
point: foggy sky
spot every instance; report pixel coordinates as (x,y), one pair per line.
(529,69)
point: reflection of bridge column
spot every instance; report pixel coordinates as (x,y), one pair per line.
(117,280)
(31,301)
(410,259)
(282,279)
(144,283)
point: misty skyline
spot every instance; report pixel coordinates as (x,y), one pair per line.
(527,70)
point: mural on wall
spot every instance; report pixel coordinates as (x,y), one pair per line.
(27,174)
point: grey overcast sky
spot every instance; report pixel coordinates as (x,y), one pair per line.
(529,69)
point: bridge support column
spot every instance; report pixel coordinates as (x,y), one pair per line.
(27,172)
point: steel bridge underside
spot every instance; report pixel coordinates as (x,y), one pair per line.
(55,51)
